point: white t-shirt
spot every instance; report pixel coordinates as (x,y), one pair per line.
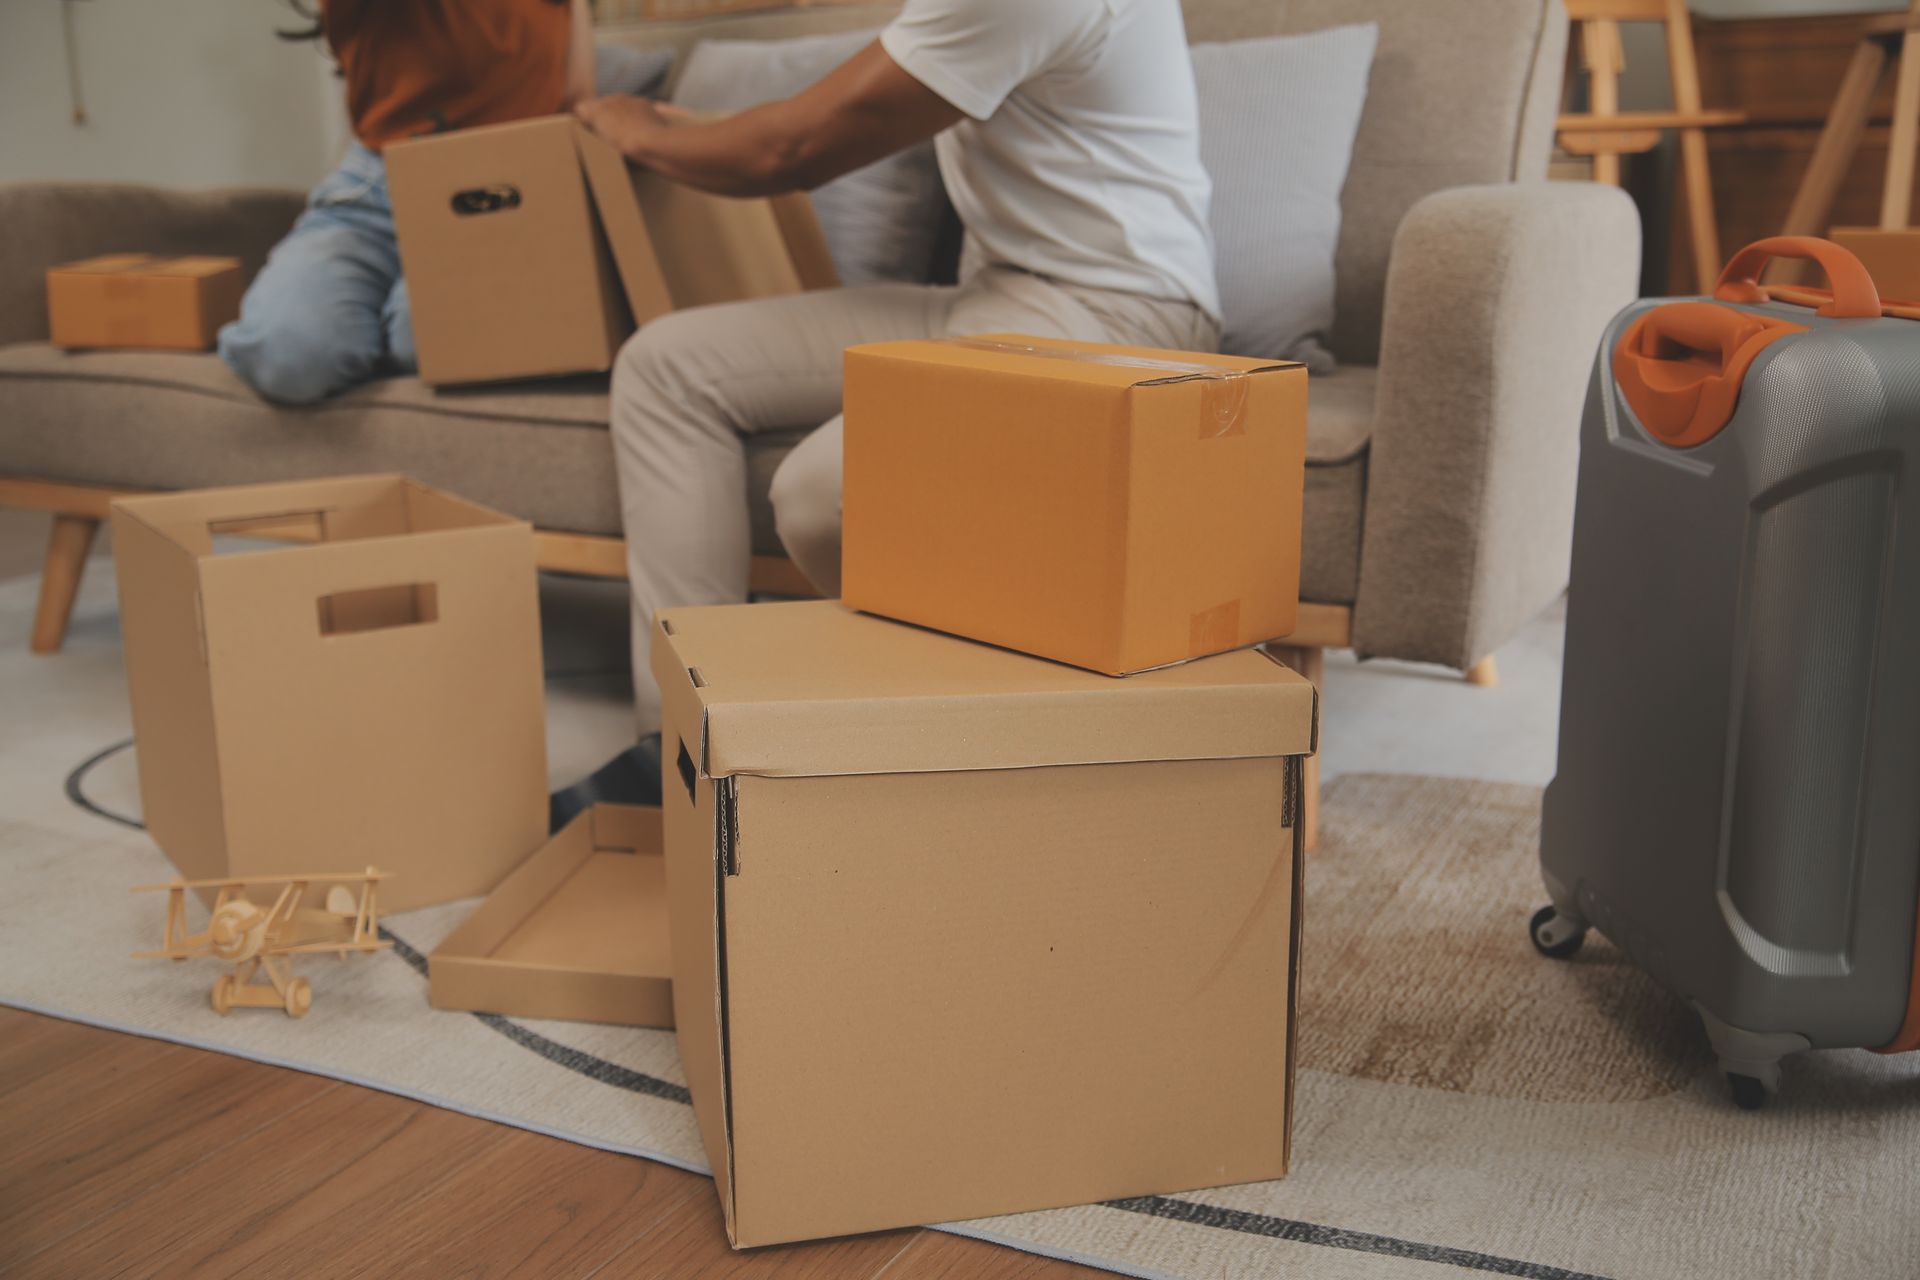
(1080,159)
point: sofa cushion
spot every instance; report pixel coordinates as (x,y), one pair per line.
(164,420)
(884,221)
(1277,117)
(1461,92)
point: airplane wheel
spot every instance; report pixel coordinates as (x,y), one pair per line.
(223,995)
(299,998)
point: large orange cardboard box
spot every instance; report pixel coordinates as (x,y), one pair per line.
(579,930)
(140,300)
(960,932)
(1118,508)
(369,693)
(532,249)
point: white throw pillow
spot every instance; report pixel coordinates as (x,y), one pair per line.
(882,222)
(1277,120)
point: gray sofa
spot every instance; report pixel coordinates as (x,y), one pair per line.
(1441,455)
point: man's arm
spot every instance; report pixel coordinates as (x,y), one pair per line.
(579,55)
(864,109)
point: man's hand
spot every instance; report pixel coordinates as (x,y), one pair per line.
(866,108)
(628,123)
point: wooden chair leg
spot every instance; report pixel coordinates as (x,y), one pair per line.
(1484,673)
(1683,70)
(67,548)
(1901,146)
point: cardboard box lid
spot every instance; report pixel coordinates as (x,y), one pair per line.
(813,688)
(579,930)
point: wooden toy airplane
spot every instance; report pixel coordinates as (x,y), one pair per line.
(259,937)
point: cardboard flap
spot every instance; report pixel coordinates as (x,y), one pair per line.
(626,231)
(814,688)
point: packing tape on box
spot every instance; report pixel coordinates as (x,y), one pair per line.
(1223,398)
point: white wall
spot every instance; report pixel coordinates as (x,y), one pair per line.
(178,92)
(201,93)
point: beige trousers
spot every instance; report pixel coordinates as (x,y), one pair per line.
(691,387)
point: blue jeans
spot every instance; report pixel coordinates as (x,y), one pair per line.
(329,310)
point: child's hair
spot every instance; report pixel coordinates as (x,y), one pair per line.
(312,30)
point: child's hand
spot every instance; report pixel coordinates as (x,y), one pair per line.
(624,121)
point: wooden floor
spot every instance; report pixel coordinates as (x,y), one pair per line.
(125,1155)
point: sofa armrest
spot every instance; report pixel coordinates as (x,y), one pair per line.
(48,223)
(1496,299)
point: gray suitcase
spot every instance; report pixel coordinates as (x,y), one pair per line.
(1737,798)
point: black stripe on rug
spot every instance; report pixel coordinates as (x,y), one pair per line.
(1200,1215)
(1259,1224)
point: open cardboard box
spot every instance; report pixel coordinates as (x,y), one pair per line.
(578,931)
(532,249)
(365,691)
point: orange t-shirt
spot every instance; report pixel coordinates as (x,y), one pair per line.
(427,66)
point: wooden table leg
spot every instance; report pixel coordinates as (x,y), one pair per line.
(67,548)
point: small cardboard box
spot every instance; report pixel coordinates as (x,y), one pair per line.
(532,249)
(139,300)
(369,695)
(1118,508)
(1892,258)
(959,932)
(578,931)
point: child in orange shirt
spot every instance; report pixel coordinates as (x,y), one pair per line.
(329,309)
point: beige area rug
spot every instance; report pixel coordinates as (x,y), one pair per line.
(1465,1107)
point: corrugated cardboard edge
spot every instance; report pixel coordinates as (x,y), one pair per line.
(1296,788)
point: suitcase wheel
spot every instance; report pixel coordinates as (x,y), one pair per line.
(1749,1094)
(1555,935)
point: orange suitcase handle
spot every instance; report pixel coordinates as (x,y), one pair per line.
(1854,294)
(1679,366)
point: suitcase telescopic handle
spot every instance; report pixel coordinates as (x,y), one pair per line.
(1854,294)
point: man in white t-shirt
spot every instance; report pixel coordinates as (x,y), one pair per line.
(1068,140)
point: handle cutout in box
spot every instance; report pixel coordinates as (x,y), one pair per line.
(491,199)
(379,608)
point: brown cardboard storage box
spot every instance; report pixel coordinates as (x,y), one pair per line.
(139,300)
(371,696)
(578,931)
(1892,258)
(532,249)
(960,932)
(1118,508)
